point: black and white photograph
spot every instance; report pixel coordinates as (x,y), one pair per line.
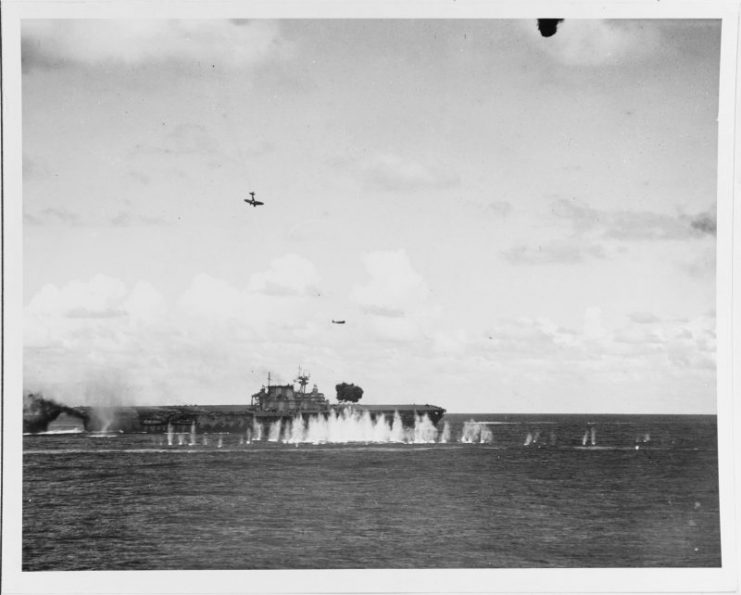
(372,290)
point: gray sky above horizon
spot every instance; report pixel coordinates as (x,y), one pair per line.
(506,222)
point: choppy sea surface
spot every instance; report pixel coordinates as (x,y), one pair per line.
(504,492)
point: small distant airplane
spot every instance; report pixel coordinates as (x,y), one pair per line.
(338,322)
(252,201)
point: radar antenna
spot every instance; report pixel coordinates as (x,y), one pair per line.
(302,380)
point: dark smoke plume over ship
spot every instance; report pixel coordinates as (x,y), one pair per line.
(39,412)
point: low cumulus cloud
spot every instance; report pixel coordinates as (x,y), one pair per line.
(215,338)
(596,42)
(99,297)
(221,43)
(171,347)
(395,298)
(645,342)
(288,275)
(393,288)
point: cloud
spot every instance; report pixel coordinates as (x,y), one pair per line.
(594,42)
(211,298)
(390,172)
(217,340)
(100,297)
(52,216)
(61,216)
(527,338)
(705,223)
(598,348)
(394,289)
(643,317)
(189,348)
(129,219)
(590,227)
(289,275)
(570,251)
(395,299)
(631,225)
(220,43)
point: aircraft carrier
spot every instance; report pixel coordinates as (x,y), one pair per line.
(272,403)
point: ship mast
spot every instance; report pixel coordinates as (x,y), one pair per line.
(302,380)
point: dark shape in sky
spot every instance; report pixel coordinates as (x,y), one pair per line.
(705,223)
(348,393)
(548,27)
(252,201)
(338,322)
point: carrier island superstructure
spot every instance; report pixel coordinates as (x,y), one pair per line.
(272,403)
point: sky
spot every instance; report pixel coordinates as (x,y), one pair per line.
(505,222)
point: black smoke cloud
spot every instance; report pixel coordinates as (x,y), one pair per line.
(39,412)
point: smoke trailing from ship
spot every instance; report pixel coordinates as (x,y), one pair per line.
(39,412)
(103,399)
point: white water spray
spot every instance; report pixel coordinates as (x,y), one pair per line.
(274,431)
(169,434)
(349,425)
(487,436)
(256,430)
(471,432)
(192,434)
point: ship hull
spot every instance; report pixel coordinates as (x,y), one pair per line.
(217,419)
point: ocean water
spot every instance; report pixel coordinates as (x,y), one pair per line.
(483,491)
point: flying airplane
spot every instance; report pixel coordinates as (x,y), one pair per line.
(252,201)
(338,322)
